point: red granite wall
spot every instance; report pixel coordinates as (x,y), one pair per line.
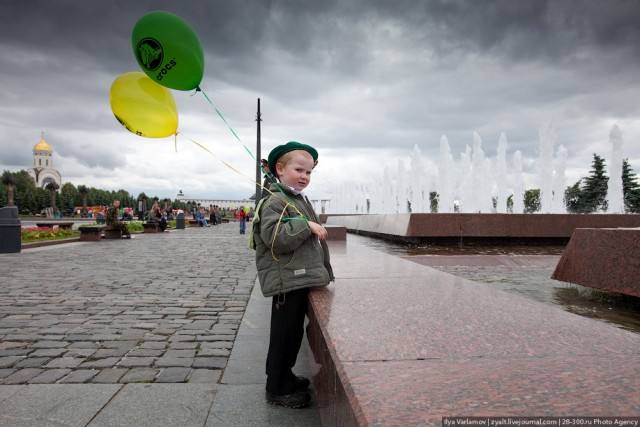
(482,226)
(607,259)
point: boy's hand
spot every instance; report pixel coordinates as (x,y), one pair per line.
(318,230)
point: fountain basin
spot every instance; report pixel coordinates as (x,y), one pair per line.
(479,228)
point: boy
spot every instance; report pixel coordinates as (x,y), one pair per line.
(291,256)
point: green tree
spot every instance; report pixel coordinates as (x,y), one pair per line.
(510,203)
(68,197)
(574,199)
(594,191)
(434,197)
(630,188)
(532,201)
(25,193)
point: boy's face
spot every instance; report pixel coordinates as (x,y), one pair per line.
(297,173)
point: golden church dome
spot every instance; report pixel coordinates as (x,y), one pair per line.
(42,145)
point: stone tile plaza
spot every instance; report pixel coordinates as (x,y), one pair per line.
(171,329)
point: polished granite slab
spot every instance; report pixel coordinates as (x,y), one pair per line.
(606,259)
(398,343)
(336,232)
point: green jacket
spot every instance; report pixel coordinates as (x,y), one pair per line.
(288,256)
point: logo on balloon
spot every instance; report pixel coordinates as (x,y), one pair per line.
(150,54)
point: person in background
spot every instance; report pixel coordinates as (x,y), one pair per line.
(199,216)
(155,215)
(242,218)
(113,213)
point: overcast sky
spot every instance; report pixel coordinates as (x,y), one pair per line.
(362,81)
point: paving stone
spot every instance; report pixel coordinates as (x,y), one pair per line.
(49,352)
(64,362)
(217,344)
(180,353)
(210,362)
(153,344)
(50,344)
(22,337)
(138,375)
(120,344)
(130,362)
(15,352)
(6,372)
(32,362)
(84,344)
(184,345)
(6,362)
(205,376)
(108,362)
(145,352)
(78,337)
(174,362)
(49,376)
(110,352)
(173,375)
(79,376)
(5,345)
(21,376)
(80,352)
(105,337)
(220,352)
(109,376)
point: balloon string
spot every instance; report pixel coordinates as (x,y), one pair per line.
(222,161)
(230,128)
(198,89)
(287,201)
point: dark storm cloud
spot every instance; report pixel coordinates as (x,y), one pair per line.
(340,73)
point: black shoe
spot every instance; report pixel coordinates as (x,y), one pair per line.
(298,399)
(302,383)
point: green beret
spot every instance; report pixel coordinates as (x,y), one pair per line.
(277,152)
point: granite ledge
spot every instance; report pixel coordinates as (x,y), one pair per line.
(405,344)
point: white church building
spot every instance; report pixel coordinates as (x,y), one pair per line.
(42,171)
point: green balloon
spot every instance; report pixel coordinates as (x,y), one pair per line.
(168,50)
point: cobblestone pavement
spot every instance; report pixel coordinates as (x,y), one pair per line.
(157,308)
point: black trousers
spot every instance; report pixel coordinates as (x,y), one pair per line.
(287,330)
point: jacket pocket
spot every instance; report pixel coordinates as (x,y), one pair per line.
(308,255)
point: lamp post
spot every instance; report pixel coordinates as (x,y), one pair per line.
(258,157)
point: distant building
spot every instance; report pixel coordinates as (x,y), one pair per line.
(207,203)
(42,171)
(318,205)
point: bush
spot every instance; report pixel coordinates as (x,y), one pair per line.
(134,226)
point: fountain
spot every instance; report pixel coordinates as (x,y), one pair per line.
(614,190)
(476,184)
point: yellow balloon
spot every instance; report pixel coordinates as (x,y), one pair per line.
(143,107)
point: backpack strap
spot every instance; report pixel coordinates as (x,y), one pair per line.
(254,224)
